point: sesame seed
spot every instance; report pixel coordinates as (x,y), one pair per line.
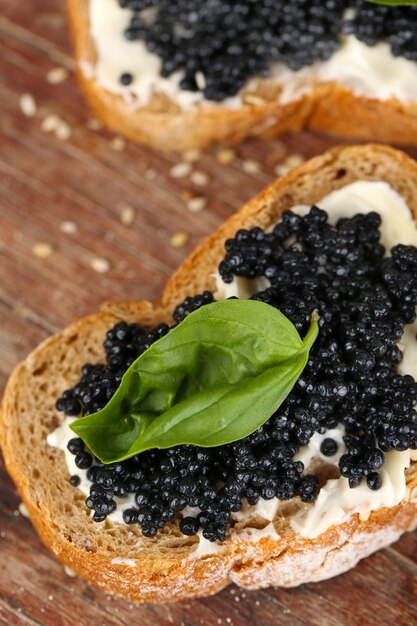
(50,597)
(199,178)
(281,170)
(69,228)
(57,75)
(196,204)
(69,571)
(28,105)
(179,239)
(252,99)
(127,215)
(118,144)
(226,156)
(53,123)
(63,131)
(180,170)
(100,265)
(50,123)
(42,250)
(191,156)
(93,124)
(3,534)
(251,167)
(23,510)
(294,160)
(200,79)
(257,603)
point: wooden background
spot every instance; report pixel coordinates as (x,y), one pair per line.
(88,180)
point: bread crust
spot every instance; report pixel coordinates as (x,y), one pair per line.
(328,107)
(166,568)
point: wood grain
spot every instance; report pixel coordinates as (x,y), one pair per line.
(45,182)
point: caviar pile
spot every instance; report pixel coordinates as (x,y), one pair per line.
(226,42)
(364,299)
(395,25)
(124,343)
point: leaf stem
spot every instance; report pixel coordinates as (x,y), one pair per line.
(313,331)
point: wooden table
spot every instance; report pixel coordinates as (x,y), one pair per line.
(76,195)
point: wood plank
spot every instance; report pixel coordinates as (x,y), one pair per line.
(46,182)
(18,336)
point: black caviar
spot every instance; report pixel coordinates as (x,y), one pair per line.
(328,447)
(364,299)
(219,44)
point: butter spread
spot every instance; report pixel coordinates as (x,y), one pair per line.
(204,547)
(371,71)
(59,438)
(336,501)
(311,452)
(108,21)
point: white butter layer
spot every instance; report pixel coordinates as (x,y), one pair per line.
(240,287)
(311,452)
(204,547)
(116,55)
(59,438)
(368,71)
(336,501)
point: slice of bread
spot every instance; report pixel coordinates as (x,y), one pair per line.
(171,566)
(162,123)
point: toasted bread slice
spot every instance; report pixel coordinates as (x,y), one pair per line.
(162,123)
(171,566)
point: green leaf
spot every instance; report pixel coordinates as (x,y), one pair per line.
(213,379)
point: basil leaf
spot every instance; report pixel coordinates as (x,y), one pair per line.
(213,379)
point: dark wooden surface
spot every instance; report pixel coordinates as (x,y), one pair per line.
(45,182)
